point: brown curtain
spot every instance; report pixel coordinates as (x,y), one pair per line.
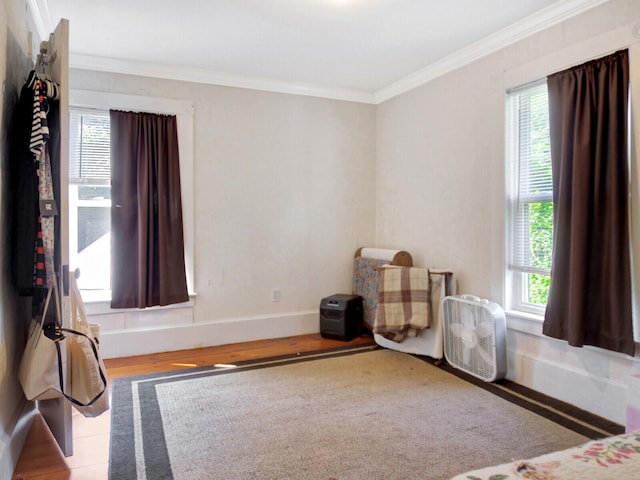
(147,243)
(590,295)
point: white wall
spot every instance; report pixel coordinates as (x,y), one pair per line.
(284,194)
(15,22)
(440,192)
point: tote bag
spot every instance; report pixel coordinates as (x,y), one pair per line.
(39,371)
(43,366)
(88,373)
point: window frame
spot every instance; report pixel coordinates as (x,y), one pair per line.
(75,183)
(183,110)
(517,277)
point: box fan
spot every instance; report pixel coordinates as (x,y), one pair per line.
(475,336)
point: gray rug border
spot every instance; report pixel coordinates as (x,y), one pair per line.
(569,416)
(122,443)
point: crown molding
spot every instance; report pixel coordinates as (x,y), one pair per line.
(196,75)
(552,15)
(545,18)
(41,17)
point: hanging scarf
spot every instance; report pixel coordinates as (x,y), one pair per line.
(44,248)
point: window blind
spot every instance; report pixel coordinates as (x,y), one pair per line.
(90,160)
(532,207)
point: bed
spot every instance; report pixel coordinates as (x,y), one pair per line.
(612,458)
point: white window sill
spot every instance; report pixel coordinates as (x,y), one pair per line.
(524,322)
(98,302)
(531,323)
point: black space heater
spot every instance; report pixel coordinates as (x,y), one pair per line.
(341,316)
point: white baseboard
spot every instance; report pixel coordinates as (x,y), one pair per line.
(143,341)
(590,378)
(11,450)
(606,397)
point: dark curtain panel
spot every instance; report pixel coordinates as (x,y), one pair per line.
(590,295)
(147,243)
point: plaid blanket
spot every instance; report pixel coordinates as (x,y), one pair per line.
(404,302)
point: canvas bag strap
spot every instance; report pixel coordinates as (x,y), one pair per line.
(61,373)
(39,323)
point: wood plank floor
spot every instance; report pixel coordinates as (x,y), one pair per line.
(41,459)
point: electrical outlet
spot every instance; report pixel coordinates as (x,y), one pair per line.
(275,295)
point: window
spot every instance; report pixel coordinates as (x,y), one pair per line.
(90,198)
(529,197)
(89,184)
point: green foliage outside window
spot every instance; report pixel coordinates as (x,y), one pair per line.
(540,213)
(541,241)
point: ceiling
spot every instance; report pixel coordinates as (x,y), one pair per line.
(361,50)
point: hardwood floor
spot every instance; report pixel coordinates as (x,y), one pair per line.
(41,459)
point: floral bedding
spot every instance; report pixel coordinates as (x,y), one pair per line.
(613,458)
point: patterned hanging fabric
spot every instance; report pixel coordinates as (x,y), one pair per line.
(39,269)
(39,127)
(44,269)
(47,223)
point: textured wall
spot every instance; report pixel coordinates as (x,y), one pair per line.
(284,193)
(14,66)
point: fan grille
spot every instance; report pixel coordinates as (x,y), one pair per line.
(470,337)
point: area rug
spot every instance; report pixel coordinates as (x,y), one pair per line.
(366,413)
